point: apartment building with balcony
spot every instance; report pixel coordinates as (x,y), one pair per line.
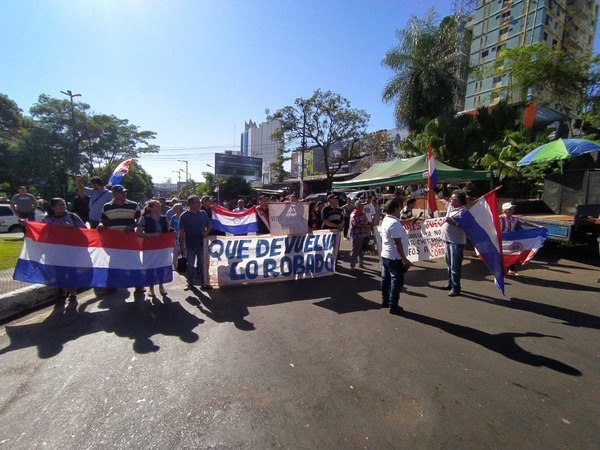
(563,24)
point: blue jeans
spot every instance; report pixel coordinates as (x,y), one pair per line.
(392,280)
(195,258)
(454,259)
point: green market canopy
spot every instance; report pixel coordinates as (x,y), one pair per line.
(412,170)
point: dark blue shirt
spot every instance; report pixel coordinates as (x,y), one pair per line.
(193,224)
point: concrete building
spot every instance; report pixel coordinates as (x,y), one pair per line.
(256,142)
(561,24)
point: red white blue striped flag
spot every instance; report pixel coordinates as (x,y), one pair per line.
(76,257)
(120,171)
(481,225)
(234,223)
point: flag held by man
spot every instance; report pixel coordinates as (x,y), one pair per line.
(521,246)
(481,225)
(120,171)
(235,223)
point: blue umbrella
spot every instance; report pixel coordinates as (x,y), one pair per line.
(559,150)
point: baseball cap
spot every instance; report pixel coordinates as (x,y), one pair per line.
(507,205)
(330,196)
(118,188)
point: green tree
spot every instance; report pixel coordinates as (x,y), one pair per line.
(556,77)
(426,65)
(277,168)
(327,121)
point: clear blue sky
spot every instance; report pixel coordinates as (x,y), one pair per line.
(194,71)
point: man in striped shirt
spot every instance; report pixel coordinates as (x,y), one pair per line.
(119,213)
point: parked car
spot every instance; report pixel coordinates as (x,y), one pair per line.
(322,197)
(9,222)
(362,195)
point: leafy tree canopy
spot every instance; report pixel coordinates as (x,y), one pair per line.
(327,121)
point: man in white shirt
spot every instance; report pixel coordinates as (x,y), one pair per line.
(241,206)
(394,263)
(369,210)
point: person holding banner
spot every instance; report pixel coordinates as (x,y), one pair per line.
(455,239)
(58,215)
(194,226)
(262,215)
(332,215)
(394,263)
(152,224)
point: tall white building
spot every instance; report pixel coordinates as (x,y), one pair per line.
(256,142)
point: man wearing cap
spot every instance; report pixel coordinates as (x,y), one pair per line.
(120,213)
(98,196)
(332,215)
(241,206)
(510,222)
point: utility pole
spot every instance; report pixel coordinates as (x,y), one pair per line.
(187,176)
(301,191)
(74,146)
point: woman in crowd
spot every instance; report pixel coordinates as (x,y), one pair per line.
(152,224)
(360,229)
(58,215)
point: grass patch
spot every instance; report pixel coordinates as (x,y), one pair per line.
(10,249)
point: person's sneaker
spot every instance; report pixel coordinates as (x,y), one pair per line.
(447,288)
(396,310)
(513,273)
(207,287)
(187,287)
(385,305)
(453,294)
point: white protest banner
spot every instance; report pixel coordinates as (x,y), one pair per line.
(288,218)
(237,260)
(424,239)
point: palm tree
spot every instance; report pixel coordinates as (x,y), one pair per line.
(426,64)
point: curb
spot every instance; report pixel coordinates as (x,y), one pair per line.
(25,299)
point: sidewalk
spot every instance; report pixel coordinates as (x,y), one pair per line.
(17,297)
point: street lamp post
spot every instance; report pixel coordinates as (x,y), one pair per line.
(178,172)
(74,146)
(187,176)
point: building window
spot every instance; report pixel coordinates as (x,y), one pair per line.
(503,31)
(485,53)
(497,79)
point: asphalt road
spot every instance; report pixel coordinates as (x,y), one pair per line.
(315,364)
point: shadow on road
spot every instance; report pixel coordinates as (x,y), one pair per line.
(138,321)
(567,316)
(501,343)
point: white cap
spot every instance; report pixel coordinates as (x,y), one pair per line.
(507,205)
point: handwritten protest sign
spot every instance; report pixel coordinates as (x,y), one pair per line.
(240,260)
(424,239)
